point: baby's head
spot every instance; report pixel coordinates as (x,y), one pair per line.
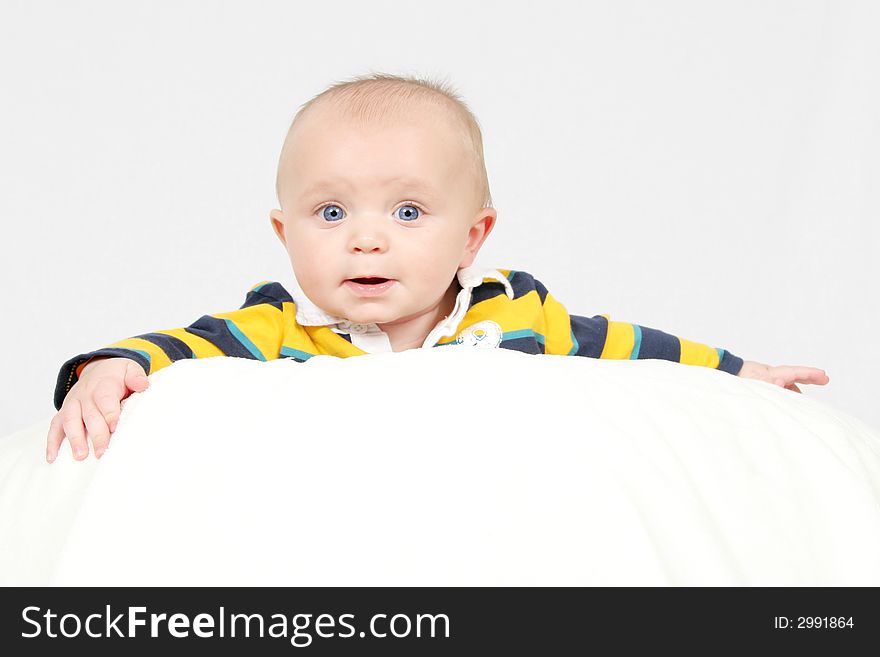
(383,176)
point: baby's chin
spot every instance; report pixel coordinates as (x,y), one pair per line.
(367,316)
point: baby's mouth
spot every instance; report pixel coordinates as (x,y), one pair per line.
(370,280)
(369,286)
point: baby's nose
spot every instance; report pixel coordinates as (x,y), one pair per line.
(365,242)
(369,235)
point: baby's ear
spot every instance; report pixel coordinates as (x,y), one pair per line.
(479,231)
(276,218)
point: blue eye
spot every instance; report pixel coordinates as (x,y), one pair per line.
(408,213)
(332,212)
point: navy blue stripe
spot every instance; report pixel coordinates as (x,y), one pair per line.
(174,348)
(217,332)
(486,291)
(527,345)
(542,291)
(522,283)
(272,293)
(730,363)
(657,344)
(590,334)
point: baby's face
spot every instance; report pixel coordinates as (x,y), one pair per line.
(395,202)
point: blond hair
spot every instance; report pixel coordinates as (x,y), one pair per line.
(382,96)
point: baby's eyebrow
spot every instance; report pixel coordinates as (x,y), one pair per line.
(409,184)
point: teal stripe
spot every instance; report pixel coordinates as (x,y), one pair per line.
(720,355)
(574,344)
(523,333)
(296,353)
(637,345)
(511,275)
(259,287)
(241,337)
(145,355)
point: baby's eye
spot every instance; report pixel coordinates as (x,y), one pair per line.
(408,213)
(332,212)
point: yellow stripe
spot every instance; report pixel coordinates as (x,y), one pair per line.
(261,324)
(521,313)
(318,340)
(322,341)
(558,327)
(694,353)
(620,340)
(201,347)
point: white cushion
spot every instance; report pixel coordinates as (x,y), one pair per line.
(450,466)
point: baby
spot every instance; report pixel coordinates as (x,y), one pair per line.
(384,206)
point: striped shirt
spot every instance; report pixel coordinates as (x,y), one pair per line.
(494,308)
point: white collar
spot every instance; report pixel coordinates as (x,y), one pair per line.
(309,314)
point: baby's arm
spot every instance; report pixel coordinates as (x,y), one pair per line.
(633,341)
(600,337)
(253,331)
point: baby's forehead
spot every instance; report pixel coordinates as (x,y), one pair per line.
(435,118)
(449,154)
(432,148)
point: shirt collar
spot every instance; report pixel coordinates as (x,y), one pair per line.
(309,314)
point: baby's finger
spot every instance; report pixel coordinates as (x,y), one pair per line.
(809,375)
(71,418)
(98,431)
(107,401)
(134,377)
(55,438)
(818,376)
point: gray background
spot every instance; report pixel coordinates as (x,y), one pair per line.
(707,169)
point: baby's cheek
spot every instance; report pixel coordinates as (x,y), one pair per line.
(307,256)
(308,274)
(439,254)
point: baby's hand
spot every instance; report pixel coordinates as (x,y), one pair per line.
(783,375)
(94,400)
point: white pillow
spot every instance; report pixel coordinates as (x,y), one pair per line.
(450,466)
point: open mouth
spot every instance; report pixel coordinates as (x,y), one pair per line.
(371,280)
(370,286)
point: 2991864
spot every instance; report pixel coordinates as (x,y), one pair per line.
(813,622)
